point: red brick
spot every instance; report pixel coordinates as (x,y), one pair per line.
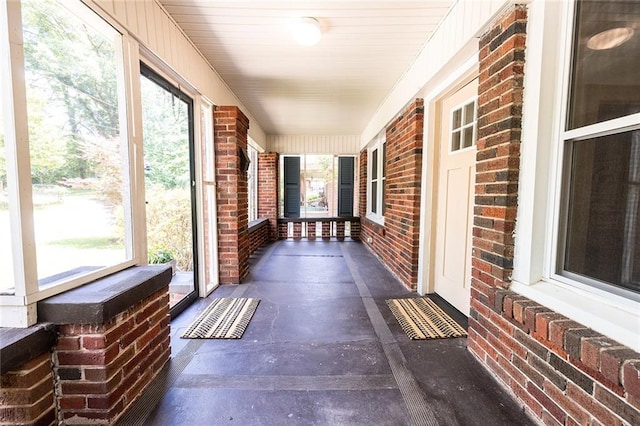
(631,377)
(557,330)
(591,348)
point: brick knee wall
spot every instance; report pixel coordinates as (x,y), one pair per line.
(100,369)
(563,372)
(396,243)
(259,236)
(26,394)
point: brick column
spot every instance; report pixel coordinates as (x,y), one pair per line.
(283,231)
(268,191)
(297,230)
(326,230)
(396,243)
(230,131)
(311,231)
(498,157)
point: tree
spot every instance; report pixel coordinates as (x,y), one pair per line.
(71,68)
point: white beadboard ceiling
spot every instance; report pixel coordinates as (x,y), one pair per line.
(332,88)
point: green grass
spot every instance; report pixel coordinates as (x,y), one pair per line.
(89,243)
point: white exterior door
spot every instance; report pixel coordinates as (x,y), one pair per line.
(456,182)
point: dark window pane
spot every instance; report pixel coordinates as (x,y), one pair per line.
(384,159)
(467,139)
(456,120)
(455,141)
(374,197)
(604,210)
(384,195)
(605,83)
(374,164)
(469,110)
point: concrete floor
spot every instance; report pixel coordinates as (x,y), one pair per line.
(322,349)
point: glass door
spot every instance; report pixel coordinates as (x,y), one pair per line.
(168,145)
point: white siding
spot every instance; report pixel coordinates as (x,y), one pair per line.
(152,26)
(453,39)
(286,144)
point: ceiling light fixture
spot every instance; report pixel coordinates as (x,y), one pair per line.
(610,38)
(307,31)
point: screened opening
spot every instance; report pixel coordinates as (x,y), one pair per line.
(6,253)
(167,123)
(310,186)
(79,154)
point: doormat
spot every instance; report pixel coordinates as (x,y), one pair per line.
(422,319)
(224,318)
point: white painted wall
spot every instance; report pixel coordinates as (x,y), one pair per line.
(151,25)
(449,46)
(287,144)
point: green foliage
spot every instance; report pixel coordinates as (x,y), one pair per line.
(159,255)
(72,92)
(165,127)
(169,223)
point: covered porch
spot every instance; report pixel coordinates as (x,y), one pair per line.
(322,348)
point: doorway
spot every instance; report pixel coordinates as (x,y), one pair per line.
(170,197)
(455,199)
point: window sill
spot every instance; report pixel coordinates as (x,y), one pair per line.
(377,219)
(100,301)
(20,345)
(619,321)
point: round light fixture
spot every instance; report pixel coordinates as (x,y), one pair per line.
(307,31)
(610,38)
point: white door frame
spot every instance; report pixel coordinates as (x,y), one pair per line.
(430,169)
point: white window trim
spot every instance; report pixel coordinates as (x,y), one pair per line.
(473,124)
(378,143)
(537,223)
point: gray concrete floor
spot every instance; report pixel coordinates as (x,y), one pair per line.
(322,349)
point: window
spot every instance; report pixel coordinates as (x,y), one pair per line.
(310,185)
(600,219)
(68,191)
(78,152)
(463,127)
(6,254)
(252,182)
(377,175)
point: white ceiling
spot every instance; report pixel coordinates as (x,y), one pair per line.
(332,88)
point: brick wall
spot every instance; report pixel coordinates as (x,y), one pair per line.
(259,235)
(396,244)
(268,191)
(230,136)
(26,394)
(100,369)
(563,372)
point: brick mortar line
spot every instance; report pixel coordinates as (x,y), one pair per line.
(416,402)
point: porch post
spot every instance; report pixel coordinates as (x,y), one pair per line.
(230,129)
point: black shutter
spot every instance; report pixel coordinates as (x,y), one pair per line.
(292,186)
(345,186)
